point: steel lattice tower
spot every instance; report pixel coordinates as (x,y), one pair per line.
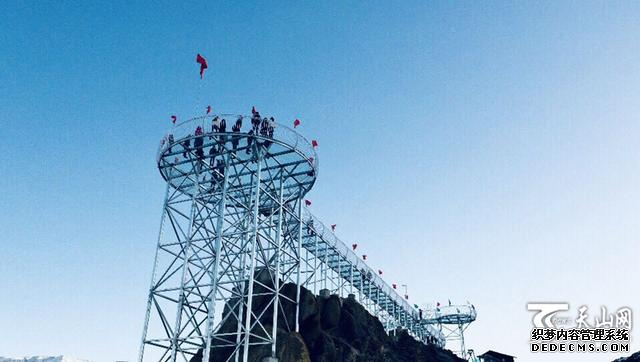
(230,235)
(453,320)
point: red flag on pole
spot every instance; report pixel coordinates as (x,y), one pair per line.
(208,109)
(253,110)
(307,202)
(394,285)
(333,227)
(379,272)
(314,143)
(203,64)
(296,123)
(354,246)
(174,119)
(364,257)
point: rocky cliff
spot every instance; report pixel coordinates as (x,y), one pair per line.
(633,358)
(331,329)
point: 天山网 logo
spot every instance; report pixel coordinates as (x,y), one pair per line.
(556,329)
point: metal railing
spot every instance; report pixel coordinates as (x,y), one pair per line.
(186,130)
(346,254)
(450,314)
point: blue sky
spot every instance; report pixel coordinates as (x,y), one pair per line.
(481,151)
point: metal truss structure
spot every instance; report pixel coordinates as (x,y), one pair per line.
(331,265)
(452,320)
(234,238)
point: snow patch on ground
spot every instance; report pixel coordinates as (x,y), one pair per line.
(43,359)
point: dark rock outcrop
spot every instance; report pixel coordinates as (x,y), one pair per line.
(633,358)
(331,329)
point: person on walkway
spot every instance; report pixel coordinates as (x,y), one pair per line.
(219,170)
(213,153)
(223,125)
(215,125)
(186,146)
(255,122)
(214,177)
(250,135)
(223,129)
(264,127)
(310,231)
(170,142)
(198,143)
(270,130)
(235,139)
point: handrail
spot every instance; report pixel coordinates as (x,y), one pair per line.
(185,130)
(351,257)
(450,314)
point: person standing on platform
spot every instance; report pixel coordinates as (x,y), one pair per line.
(198,143)
(215,125)
(235,139)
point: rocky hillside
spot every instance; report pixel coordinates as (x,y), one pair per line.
(633,358)
(331,329)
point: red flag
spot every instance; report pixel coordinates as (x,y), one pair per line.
(203,64)
(314,143)
(333,227)
(253,110)
(307,202)
(174,119)
(296,123)
(311,159)
(208,109)
(394,285)
(354,246)
(379,272)
(364,257)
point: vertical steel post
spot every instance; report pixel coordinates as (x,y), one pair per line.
(299,246)
(351,278)
(241,276)
(278,256)
(185,267)
(315,263)
(256,210)
(339,277)
(153,274)
(463,352)
(216,265)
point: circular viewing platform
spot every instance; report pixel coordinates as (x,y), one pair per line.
(194,158)
(451,314)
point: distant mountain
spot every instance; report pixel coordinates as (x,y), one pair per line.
(43,359)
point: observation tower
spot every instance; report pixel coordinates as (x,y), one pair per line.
(230,234)
(452,321)
(236,244)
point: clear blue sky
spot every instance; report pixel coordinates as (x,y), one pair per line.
(481,151)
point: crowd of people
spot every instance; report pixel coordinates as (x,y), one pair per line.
(263,127)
